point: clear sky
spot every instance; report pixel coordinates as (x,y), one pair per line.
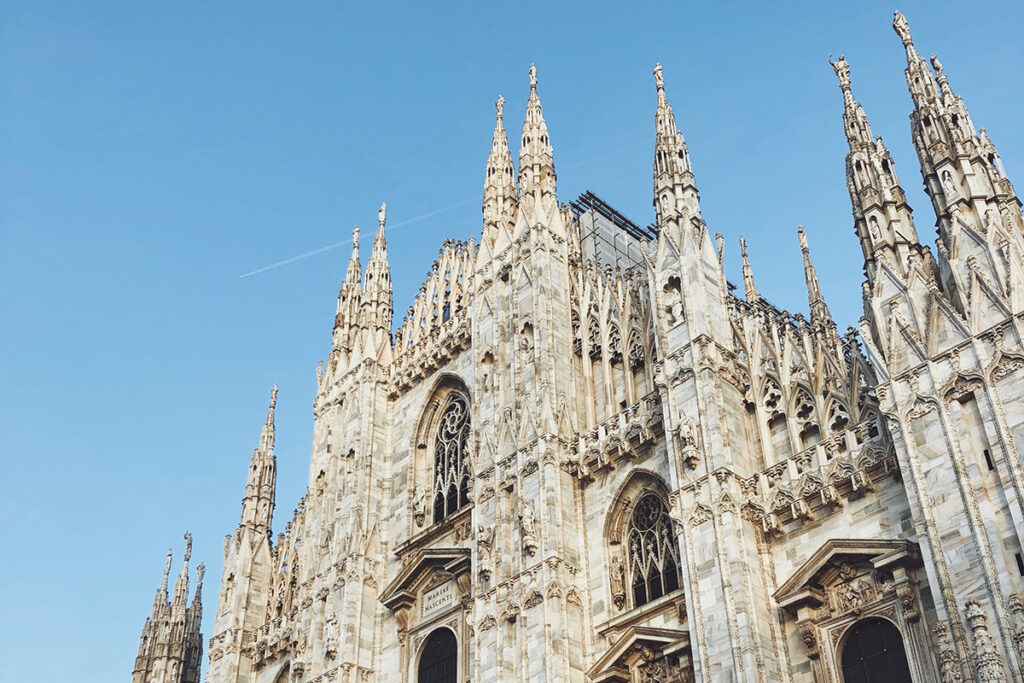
(151,153)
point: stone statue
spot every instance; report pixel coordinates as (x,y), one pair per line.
(899,22)
(382,214)
(528,528)
(618,582)
(484,539)
(842,70)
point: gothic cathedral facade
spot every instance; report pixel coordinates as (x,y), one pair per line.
(582,457)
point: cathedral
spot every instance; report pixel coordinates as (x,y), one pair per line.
(585,456)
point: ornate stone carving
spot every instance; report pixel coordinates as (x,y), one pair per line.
(988,663)
(949,668)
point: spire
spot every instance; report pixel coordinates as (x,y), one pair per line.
(536,157)
(819,311)
(197,599)
(377,299)
(352,275)
(181,585)
(675,192)
(349,296)
(161,592)
(882,217)
(749,288)
(258,503)
(963,176)
(267,435)
(500,183)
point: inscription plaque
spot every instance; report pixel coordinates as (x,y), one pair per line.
(438,598)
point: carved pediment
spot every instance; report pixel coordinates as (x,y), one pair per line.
(426,565)
(635,644)
(806,588)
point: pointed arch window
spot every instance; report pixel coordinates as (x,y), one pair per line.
(653,551)
(451,458)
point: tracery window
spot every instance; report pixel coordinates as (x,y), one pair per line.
(653,551)
(451,458)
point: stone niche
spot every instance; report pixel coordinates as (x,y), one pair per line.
(429,593)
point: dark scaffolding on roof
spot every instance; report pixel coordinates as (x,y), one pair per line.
(589,201)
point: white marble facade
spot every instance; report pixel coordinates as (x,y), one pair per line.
(582,458)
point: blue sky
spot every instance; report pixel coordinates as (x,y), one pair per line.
(150,153)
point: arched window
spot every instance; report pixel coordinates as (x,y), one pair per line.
(873,653)
(451,458)
(439,659)
(653,552)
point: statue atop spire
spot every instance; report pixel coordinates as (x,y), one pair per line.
(899,23)
(536,157)
(499,182)
(382,215)
(842,69)
(674,188)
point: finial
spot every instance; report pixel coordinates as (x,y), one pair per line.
(188,546)
(658,78)
(533,78)
(899,23)
(842,70)
(499,106)
(382,214)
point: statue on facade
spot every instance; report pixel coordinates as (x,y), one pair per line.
(528,528)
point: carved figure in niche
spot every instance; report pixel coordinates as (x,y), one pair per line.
(673,300)
(420,506)
(528,527)
(618,581)
(947,184)
(876,234)
(484,539)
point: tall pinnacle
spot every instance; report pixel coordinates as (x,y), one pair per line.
(675,191)
(352,275)
(377,302)
(181,585)
(819,311)
(267,435)
(536,157)
(882,218)
(258,503)
(749,288)
(161,592)
(499,183)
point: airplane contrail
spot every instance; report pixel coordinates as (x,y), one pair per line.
(435,212)
(389,228)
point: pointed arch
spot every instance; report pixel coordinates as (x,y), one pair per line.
(643,551)
(442,447)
